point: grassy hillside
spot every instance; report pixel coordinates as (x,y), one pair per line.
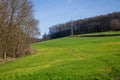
(98,34)
(77,58)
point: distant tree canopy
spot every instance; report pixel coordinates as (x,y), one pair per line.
(17,27)
(45,37)
(115,24)
(88,25)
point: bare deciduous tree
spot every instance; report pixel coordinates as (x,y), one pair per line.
(115,24)
(17,27)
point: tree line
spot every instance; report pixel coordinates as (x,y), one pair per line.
(88,25)
(17,27)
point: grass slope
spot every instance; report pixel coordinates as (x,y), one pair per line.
(77,58)
(98,34)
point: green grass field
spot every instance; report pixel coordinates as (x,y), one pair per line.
(100,33)
(70,58)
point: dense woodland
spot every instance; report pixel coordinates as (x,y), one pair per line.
(89,25)
(17,27)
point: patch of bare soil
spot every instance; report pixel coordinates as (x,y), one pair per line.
(8,59)
(1,60)
(118,78)
(30,51)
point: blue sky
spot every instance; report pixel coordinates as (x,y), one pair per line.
(52,12)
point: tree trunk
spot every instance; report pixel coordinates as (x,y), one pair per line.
(5,55)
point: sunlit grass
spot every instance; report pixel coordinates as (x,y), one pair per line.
(70,58)
(101,33)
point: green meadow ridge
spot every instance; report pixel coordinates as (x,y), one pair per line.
(69,58)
